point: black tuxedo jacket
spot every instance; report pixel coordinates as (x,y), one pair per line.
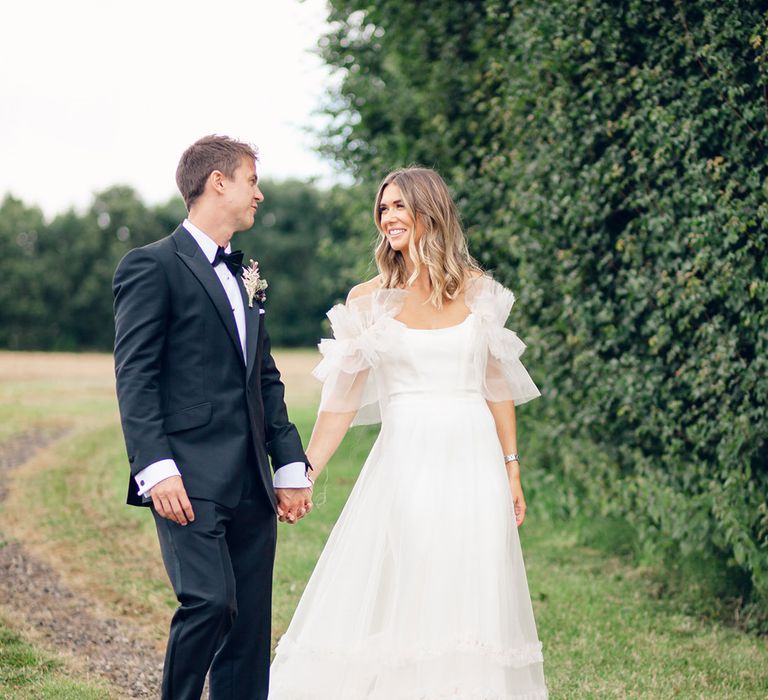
(184,389)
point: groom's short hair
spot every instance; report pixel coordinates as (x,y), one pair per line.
(210,153)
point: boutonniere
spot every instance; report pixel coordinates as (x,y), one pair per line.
(255,286)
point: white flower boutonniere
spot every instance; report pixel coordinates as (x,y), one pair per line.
(255,286)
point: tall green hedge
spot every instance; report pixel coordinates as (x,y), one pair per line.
(611,163)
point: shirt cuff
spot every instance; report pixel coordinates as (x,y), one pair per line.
(292,476)
(152,475)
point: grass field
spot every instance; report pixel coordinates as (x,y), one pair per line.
(26,672)
(605,635)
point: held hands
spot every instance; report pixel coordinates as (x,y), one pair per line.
(169,497)
(513,473)
(293,504)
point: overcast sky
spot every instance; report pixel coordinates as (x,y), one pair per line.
(99,92)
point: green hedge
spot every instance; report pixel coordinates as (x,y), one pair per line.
(610,160)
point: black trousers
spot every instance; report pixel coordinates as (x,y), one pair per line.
(220,567)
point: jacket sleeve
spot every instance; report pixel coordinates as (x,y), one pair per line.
(283,440)
(141,302)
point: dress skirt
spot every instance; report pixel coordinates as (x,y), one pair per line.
(421,591)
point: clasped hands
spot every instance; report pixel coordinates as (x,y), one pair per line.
(293,504)
(169,498)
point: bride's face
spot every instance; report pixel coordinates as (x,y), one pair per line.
(396,221)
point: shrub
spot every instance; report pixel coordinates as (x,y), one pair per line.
(610,161)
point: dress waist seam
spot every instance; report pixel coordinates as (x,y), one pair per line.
(431,395)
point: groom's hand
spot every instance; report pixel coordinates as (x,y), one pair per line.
(169,497)
(293,504)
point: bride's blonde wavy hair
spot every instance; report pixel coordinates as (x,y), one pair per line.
(442,247)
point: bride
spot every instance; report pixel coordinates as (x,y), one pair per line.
(420,593)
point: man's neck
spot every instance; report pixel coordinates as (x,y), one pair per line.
(212,227)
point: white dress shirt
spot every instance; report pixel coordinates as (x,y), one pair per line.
(290,476)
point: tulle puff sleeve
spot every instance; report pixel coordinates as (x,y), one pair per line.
(362,330)
(505,377)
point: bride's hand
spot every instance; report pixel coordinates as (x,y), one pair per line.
(293,504)
(513,473)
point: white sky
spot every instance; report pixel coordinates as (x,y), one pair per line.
(99,92)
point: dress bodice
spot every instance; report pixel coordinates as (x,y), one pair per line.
(431,361)
(373,357)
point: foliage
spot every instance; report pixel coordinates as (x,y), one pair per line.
(610,161)
(57,276)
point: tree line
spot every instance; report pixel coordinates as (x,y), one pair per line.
(312,245)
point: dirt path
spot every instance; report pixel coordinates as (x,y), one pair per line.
(34,597)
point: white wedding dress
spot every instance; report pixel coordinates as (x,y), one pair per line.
(420,593)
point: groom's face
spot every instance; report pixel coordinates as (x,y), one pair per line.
(244,195)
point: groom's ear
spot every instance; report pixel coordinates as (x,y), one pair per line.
(216,180)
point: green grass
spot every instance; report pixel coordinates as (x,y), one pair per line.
(25,672)
(606,636)
(607,630)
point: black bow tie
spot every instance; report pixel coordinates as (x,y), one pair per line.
(233,260)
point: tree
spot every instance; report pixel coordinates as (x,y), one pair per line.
(22,308)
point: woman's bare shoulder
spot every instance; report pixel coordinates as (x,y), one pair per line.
(360,290)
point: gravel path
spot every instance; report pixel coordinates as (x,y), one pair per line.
(107,647)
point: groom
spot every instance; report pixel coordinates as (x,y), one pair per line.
(201,404)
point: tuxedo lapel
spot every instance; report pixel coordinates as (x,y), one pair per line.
(252,321)
(192,256)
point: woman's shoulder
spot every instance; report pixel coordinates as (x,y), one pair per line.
(482,281)
(371,301)
(364,289)
(366,304)
(473,275)
(485,294)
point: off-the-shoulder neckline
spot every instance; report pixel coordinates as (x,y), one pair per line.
(378,290)
(441,328)
(471,282)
